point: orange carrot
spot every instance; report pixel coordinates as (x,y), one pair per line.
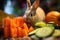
(25,27)
(23,31)
(6,32)
(16,22)
(13,28)
(13,32)
(19,32)
(21,21)
(6,22)
(13,24)
(31,29)
(6,25)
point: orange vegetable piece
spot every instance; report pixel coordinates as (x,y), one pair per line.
(16,21)
(31,29)
(25,27)
(6,32)
(6,25)
(13,32)
(13,28)
(6,22)
(19,32)
(13,24)
(52,17)
(20,21)
(23,31)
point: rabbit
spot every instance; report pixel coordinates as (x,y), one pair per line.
(34,12)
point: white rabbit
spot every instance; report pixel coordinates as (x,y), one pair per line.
(34,12)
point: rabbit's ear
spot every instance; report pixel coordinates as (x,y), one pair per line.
(36,4)
(28,3)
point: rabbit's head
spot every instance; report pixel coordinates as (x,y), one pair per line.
(31,15)
(31,9)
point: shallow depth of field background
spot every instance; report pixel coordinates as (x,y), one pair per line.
(18,7)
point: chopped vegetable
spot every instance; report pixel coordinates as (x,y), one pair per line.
(44,32)
(15,27)
(13,32)
(31,29)
(20,21)
(12,24)
(34,31)
(34,37)
(23,31)
(6,32)
(56,33)
(25,27)
(19,32)
(40,24)
(6,23)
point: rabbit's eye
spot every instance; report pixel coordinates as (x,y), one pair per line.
(31,15)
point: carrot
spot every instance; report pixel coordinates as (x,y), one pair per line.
(6,25)
(25,29)
(19,32)
(16,22)
(13,24)
(22,32)
(6,22)
(31,29)
(13,28)
(6,32)
(13,32)
(25,32)
(20,21)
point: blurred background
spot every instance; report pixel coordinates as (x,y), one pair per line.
(18,7)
